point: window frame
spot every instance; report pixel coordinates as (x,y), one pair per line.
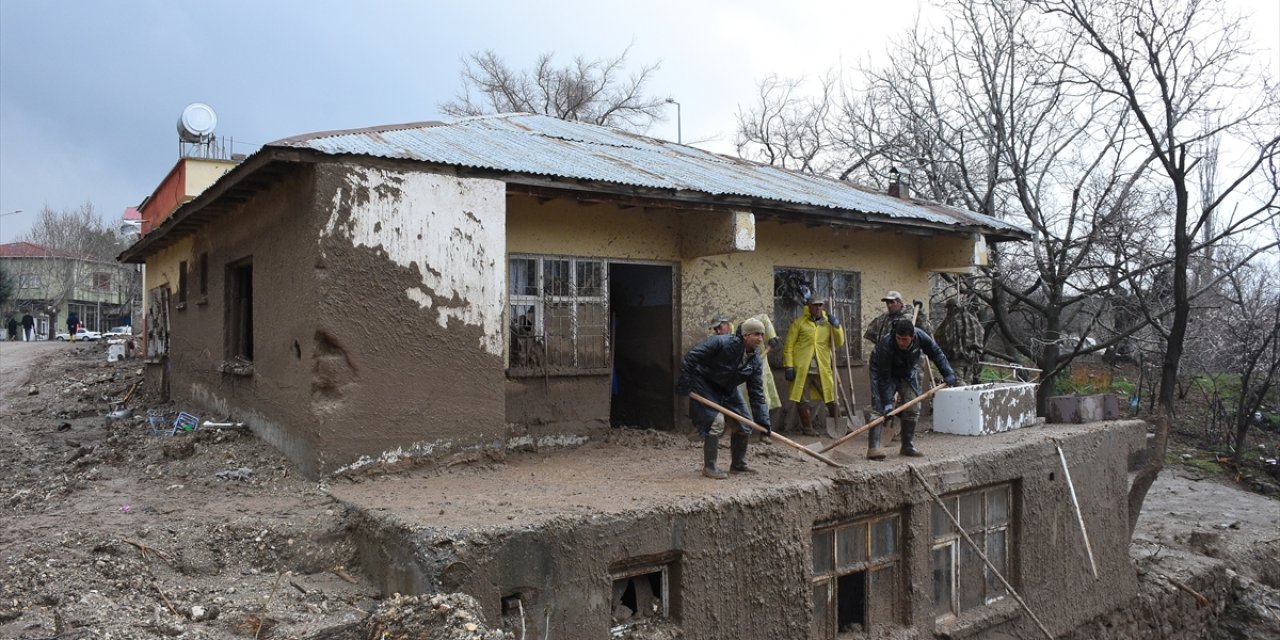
(953,543)
(848,304)
(868,565)
(571,295)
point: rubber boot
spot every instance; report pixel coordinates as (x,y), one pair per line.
(806,421)
(738,453)
(908,440)
(711,449)
(874,452)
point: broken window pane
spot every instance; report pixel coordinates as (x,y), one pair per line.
(555,278)
(941,524)
(590,278)
(884,595)
(851,602)
(997,506)
(822,610)
(884,538)
(523,276)
(970,583)
(997,553)
(971,511)
(942,574)
(851,545)
(822,560)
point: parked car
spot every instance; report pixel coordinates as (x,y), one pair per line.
(81,334)
(118,332)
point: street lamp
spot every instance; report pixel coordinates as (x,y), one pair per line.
(15,211)
(679,133)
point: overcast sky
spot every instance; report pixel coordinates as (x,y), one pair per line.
(91,90)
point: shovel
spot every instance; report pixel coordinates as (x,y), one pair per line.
(833,427)
(852,434)
(765,432)
(851,401)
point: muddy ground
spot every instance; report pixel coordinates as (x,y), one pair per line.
(111,530)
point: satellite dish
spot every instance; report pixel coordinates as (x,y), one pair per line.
(197,123)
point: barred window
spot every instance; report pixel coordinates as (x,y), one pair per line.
(558,309)
(961,580)
(856,578)
(842,290)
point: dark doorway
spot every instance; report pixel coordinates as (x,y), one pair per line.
(641,322)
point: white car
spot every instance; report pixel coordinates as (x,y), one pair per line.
(118,332)
(81,334)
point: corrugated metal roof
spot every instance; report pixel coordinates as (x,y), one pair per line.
(538,145)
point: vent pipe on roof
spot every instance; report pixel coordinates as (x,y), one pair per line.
(901,185)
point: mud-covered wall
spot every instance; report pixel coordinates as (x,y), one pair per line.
(377,297)
(270,230)
(405,355)
(743,561)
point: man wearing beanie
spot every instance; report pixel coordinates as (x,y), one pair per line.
(713,369)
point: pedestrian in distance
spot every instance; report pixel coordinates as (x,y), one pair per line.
(893,370)
(28,328)
(12,328)
(713,369)
(806,359)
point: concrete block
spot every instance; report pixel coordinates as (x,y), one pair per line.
(985,408)
(1081,409)
(1064,409)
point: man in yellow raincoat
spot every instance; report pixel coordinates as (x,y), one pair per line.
(806,358)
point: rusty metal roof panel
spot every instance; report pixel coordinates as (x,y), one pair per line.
(540,145)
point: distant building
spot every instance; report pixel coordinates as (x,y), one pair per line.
(49,284)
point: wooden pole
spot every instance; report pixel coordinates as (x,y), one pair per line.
(904,406)
(977,549)
(755,427)
(1079,516)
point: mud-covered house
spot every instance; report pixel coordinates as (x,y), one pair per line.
(418,288)
(426,289)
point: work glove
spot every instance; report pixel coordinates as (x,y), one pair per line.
(790,372)
(835,322)
(952,381)
(887,409)
(774,342)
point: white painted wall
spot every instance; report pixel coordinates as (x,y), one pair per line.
(453,228)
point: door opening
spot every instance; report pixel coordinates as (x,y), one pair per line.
(642,327)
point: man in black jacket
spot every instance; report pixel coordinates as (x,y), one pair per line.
(893,370)
(713,369)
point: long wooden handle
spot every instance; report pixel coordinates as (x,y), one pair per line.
(852,434)
(755,427)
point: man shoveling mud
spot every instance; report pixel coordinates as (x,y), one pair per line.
(713,369)
(893,370)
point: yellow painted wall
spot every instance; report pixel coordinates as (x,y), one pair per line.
(738,285)
(203,172)
(162,269)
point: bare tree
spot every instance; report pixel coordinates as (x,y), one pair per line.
(80,247)
(1177,66)
(596,91)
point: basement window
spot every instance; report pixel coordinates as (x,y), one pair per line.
(841,289)
(643,591)
(961,580)
(558,309)
(856,578)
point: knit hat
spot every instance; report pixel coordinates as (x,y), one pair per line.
(752,326)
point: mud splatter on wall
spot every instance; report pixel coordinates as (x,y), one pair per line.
(453,229)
